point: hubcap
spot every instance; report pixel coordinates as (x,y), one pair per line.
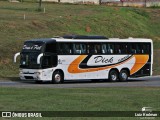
(114,77)
(124,75)
(57,78)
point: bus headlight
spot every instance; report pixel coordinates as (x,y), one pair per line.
(20,72)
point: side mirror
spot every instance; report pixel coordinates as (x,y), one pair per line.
(39,57)
(15,56)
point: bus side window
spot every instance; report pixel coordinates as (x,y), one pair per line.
(67,48)
(46,61)
(104,48)
(64,48)
(83,48)
(146,48)
(49,61)
(90,48)
(139,48)
(124,48)
(143,49)
(76,48)
(133,48)
(97,48)
(59,48)
(117,49)
(111,48)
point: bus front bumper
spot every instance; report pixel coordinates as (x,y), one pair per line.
(30,76)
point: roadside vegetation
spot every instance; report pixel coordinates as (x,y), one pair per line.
(79,99)
(23,21)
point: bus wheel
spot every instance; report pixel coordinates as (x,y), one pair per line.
(113,76)
(123,75)
(57,77)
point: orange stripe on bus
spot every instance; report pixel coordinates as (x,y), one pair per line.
(141,60)
(74,66)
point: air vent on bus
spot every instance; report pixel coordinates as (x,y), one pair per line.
(84,37)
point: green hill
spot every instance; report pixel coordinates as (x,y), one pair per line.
(60,19)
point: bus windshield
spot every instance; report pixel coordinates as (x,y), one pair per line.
(32,49)
(29,54)
(29,60)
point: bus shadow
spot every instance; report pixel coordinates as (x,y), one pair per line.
(17,79)
(102,81)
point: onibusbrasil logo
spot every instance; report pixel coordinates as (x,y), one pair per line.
(21,114)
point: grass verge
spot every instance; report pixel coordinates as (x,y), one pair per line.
(76,99)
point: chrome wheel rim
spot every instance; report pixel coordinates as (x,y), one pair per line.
(124,76)
(114,77)
(57,78)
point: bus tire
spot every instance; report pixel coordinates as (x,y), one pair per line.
(57,77)
(123,75)
(113,76)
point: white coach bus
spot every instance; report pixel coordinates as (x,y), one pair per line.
(85,57)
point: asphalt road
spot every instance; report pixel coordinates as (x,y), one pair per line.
(138,82)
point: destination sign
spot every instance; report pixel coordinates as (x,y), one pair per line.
(33,47)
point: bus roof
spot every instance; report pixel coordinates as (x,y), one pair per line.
(44,40)
(88,39)
(104,40)
(84,37)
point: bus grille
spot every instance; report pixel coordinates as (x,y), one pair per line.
(29,77)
